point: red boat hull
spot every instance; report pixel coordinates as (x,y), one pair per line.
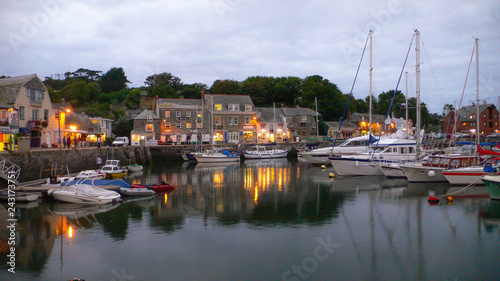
(158,188)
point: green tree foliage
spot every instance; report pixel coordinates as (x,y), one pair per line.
(331,102)
(225,87)
(287,90)
(114,80)
(164,78)
(133,99)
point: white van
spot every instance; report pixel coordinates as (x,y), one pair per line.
(120,141)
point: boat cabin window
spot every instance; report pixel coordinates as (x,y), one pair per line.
(411,150)
(402,150)
(455,163)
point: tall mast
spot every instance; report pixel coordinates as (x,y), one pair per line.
(317,121)
(417,87)
(407,127)
(477,90)
(370,93)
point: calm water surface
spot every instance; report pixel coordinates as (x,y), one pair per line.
(261,220)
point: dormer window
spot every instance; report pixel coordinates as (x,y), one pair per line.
(218,107)
(34,95)
(233,107)
(304,118)
(248,107)
(150,118)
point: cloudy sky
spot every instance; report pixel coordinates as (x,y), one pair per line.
(201,41)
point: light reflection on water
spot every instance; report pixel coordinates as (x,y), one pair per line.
(262,220)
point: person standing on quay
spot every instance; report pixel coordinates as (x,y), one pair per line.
(75,145)
(69,142)
(64,142)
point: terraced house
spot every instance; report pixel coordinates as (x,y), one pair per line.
(231,117)
(468,120)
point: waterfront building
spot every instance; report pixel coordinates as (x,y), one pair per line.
(104,126)
(146,127)
(231,117)
(301,122)
(270,125)
(183,121)
(26,98)
(467,119)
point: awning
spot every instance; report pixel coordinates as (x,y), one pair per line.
(77,131)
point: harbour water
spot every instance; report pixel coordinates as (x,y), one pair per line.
(261,220)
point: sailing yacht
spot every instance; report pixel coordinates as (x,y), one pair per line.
(351,146)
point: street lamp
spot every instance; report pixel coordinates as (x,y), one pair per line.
(59,118)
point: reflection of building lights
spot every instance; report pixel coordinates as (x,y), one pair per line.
(166,198)
(70,231)
(256,196)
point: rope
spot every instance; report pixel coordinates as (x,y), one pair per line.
(471,185)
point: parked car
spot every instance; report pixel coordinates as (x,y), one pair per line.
(121,141)
(493,135)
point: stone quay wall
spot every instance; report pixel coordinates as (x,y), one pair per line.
(36,164)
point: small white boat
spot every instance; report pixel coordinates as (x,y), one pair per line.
(18,195)
(432,169)
(136,191)
(262,152)
(84,194)
(215,156)
(90,174)
(351,146)
(134,168)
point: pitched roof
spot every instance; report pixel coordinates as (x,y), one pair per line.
(334,125)
(359,117)
(10,87)
(268,114)
(187,103)
(298,111)
(229,99)
(145,114)
(465,112)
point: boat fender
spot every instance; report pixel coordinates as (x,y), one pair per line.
(488,168)
(357,164)
(431,173)
(331,175)
(323,167)
(450,199)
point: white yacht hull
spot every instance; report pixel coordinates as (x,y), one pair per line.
(391,170)
(354,167)
(419,173)
(279,153)
(465,176)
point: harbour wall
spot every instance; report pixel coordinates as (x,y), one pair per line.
(36,164)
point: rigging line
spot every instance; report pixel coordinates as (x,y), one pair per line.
(462,97)
(350,93)
(384,69)
(487,68)
(396,90)
(436,81)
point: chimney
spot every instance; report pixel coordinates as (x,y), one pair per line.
(203,93)
(348,115)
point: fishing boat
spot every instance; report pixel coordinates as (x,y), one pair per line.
(113,170)
(262,152)
(84,194)
(19,195)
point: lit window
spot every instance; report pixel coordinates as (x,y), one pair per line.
(167,113)
(149,127)
(248,107)
(198,125)
(218,107)
(218,121)
(188,125)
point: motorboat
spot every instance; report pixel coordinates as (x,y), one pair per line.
(84,194)
(386,150)
(19,195)
(90,174)
(113,170)
(262,152)
(106,184)
(351,146)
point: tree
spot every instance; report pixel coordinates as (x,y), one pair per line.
(447,108)
(164,78)
(133,99)
(225,87)
(114,80)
